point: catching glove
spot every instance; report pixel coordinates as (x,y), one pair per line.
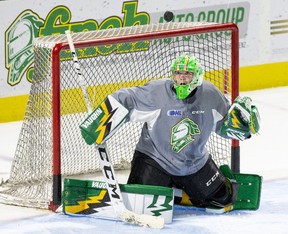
(243,120)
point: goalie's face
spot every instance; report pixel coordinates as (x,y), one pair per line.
(183,77)
(183,83)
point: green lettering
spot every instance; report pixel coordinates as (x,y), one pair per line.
(186,38)
(112,22)
(29,74)
(180,17)
(239,15)
(133,47)
(141,45)
(89,52)
(88,25)
(233,15)
(65,55)
(124,48)
(168,40)
(131,17)
(189,17)
(107,49)
(201,17)
(50,27)
(211,16)
(221,16)
(58,21)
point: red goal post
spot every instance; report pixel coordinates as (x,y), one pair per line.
(110,59)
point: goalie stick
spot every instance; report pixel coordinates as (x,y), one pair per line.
(106,166)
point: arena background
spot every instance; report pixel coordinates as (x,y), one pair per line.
(262,26)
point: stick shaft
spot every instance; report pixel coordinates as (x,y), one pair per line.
(105,162)
(106,165)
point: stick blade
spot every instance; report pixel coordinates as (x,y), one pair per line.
(219,210)
(142,219)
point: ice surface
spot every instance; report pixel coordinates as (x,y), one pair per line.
(264,155)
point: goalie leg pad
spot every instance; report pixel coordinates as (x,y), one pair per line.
(246,193)
(89,197)
(249,189)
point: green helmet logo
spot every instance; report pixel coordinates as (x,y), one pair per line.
(187,62)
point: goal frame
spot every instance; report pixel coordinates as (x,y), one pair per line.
(56,113)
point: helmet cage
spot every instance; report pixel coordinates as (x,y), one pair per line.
(191,64)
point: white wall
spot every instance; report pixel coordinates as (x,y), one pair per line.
(254,18)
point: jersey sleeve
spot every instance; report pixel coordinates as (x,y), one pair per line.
(140,102)
(220,111)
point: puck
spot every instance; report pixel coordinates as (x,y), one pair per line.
(168,16)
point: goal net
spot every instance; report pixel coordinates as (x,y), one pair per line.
(50,146)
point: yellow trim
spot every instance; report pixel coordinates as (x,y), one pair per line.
(263,76)
(83,205)
(13,108)
(251,78)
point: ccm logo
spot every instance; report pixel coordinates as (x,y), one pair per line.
(212,179)
(198,112)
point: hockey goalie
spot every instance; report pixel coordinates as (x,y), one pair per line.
(179,114)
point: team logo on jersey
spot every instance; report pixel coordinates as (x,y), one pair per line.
(174,113)
(182,134)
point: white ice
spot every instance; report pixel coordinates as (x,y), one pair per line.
(264,155)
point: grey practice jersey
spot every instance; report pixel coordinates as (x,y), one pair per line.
(175,131)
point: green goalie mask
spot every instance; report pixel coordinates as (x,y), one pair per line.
(187,62)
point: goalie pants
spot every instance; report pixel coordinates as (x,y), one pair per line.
(205,188)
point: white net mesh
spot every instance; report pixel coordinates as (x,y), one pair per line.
(106,68)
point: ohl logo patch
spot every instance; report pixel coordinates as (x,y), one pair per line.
(174,113)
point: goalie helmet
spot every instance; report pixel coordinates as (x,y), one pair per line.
(189,63)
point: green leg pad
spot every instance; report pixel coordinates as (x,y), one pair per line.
(249,192)
(249,189)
